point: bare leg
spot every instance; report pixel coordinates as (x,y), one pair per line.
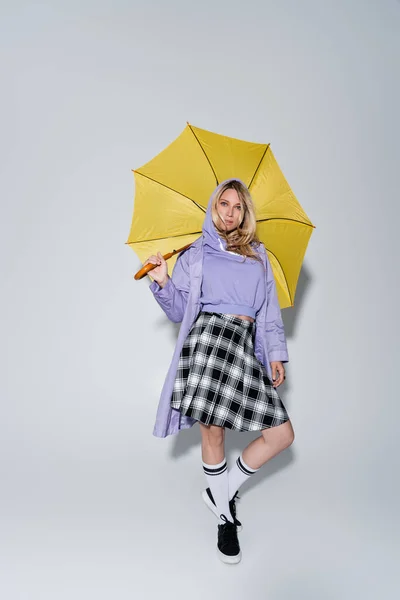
(270,443)
(212,443)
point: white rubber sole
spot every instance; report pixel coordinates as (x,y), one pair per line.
(214,510)
(229,560)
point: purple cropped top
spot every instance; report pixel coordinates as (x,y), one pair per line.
(232,284)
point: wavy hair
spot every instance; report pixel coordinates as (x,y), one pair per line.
(243,240)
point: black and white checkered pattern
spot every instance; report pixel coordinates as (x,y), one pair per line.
(220,381)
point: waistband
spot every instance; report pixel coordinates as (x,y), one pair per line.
(235,320)
(235,309)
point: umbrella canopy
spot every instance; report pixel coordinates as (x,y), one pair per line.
(173,189)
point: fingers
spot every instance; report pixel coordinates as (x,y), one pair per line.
(278,374)
(160,270)
(152,259)
(161,258)
(273,374)
(280,379)
(155,260)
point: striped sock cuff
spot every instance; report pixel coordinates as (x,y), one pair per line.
(215,469)
(246,470)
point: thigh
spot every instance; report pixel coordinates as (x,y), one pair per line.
(282,435)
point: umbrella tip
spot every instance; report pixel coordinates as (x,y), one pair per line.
(187,122)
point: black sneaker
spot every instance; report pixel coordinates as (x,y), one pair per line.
(232,506)
(228,544)
(209,500)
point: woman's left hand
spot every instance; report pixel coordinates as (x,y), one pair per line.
(278,372)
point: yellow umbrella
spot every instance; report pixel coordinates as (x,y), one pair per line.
(173,189)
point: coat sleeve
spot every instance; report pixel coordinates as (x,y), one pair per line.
(274,328)
(173,296)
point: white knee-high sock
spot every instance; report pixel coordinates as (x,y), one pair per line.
(239,473)
(217,479)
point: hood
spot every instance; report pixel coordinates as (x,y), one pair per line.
(211,237)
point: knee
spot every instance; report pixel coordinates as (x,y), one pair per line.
(288,436)
(289,440)
(281,436)
(213,436)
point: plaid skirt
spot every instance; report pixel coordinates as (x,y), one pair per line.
(220,381)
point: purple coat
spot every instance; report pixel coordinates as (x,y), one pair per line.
(180,300)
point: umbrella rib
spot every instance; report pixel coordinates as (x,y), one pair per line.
(169,237)
(170,188)
(285,219)
(258,166)
(287,285)
(204,152)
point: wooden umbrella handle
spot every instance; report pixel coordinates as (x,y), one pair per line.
(149,267)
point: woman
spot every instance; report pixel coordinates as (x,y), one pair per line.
(228,360)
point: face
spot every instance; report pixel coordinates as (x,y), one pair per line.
(228,207)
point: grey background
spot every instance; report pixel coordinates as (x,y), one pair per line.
(92,505)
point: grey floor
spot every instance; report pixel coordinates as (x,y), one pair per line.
(104,530)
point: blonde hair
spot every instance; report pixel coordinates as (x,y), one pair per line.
(243,239)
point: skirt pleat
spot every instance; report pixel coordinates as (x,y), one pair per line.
(220,381)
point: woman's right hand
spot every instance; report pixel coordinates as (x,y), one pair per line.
(160,272)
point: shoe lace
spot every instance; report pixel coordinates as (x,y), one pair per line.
(228,533)
(232,506)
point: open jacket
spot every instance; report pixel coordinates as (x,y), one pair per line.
(180,300)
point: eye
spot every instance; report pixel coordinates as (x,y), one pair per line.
(223,204)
